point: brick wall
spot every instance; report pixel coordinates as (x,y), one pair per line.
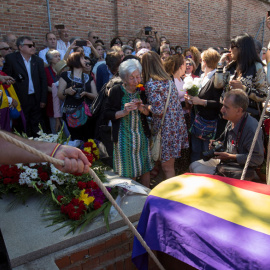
(111,254)
(212,22)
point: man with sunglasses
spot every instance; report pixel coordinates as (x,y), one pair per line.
(31,83)
(5,49)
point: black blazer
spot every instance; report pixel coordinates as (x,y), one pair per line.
(212,95)
(14,65)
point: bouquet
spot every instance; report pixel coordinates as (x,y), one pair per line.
(73,200)
(192,86)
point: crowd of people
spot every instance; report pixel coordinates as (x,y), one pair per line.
(124,95)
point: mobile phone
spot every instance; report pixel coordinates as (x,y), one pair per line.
(268,14)
(81,43)
(147,30)
(60,26)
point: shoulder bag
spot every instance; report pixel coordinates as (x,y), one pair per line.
(155,145)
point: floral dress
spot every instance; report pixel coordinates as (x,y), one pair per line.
(132,156)
(174,131)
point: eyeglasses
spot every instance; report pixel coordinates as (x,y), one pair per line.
(188,56)
(188,64)
(117,42)
(234,46)
(88,64)
(95,37)
(6,48)
(30,45)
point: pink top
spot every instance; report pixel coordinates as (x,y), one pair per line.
(180,89)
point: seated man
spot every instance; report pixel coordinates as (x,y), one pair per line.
(237,140)
(51,42)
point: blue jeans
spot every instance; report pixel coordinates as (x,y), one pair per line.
(197,147)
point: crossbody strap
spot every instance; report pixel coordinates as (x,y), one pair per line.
(167,103)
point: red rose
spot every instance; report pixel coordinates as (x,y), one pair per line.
(7,181)
(96,205)
(44,176)
(94,185)
(59,198)
(81,185)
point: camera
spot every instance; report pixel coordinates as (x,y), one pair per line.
(218,147)
(147,30)
(77,95)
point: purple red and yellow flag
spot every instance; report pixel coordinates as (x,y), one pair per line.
(208,222)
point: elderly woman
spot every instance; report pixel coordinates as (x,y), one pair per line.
(125,108)
(207,106)
(76,88)
(174,131)
(52,57)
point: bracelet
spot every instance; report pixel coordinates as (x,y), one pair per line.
(55,150)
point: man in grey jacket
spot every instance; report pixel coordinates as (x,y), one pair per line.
(237,137)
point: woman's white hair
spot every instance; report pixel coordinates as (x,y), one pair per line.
(49,55)
(128,67)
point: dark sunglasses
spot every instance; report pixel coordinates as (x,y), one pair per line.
(88,64)
(234,46)
(117,42)
(95,37)
(6,48)
(188,64)
(188,56)
(30,45)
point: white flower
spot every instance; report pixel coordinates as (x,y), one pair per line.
(19,165)
(60,181)
(43,163)
(54,178)
(28,171)
(53,187)
(197,82)
(49,182)
(25,167)
(27,180)
(21,181)
(32,164)
(23,175)
(188,83)
(34,175)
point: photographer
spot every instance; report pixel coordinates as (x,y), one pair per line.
(237,138)
(78,90)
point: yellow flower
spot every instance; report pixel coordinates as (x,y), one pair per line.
(86,198)
(139,85)
(87,149)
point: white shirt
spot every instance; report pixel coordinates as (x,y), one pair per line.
(31,89)
(42,54)
(205,79)
(61,45)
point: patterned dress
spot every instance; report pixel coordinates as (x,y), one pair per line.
(132,156)
(174,131)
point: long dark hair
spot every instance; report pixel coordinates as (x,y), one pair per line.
(247,55)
